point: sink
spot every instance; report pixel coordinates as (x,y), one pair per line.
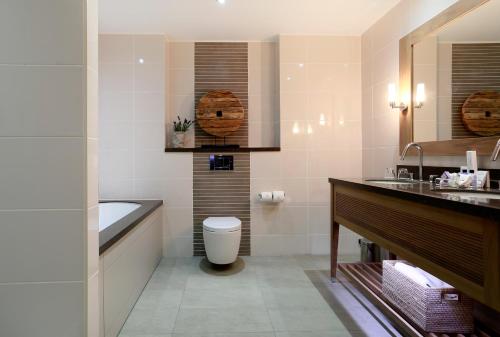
(392,181)
(472,195)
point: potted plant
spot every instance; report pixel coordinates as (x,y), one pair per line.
(180,128)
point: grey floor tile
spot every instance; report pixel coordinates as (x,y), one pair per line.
(270,297)
(223,320)
(209,282)
(230,334)
(142,335)
(225,298)
(276,298)
(150,321)
(156,299)
(314,334)
(306,319)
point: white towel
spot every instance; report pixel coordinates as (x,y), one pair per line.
(420,276)
(412,273)
(434,282)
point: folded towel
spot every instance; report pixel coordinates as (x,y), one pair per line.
(420,276)
(433,281)
(412,273)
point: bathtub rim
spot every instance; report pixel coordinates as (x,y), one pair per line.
(114,232)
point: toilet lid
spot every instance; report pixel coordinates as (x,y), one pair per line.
(221,224)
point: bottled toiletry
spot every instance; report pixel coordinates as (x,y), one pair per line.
(471,161)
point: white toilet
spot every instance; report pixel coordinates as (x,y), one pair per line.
(222,237)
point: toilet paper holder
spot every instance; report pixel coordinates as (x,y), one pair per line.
(272,197)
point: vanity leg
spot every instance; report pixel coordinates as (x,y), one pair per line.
(334,249)
(334,236)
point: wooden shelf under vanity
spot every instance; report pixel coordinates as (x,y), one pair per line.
(367,277)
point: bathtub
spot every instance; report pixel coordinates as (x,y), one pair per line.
(111,212)
(130,248)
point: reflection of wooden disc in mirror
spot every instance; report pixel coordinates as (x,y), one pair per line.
(481,113)
(220,113)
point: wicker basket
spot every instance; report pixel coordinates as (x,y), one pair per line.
(443,310)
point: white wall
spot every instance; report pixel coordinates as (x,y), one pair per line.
(318,76)
(48,150)
(133,164)
(328,84)
(380,66)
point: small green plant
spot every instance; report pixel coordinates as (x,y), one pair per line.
(182,126)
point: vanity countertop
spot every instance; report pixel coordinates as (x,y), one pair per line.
(423,193)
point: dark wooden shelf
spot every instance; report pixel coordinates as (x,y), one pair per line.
(367,277)
(223,149)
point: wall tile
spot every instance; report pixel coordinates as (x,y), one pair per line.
(41,173)
(149,106)
(42,246)
(149,48)
(181,54)
(119,106)
(116,49)
(116,77)
(41,101)
(54,35)
(32,305)
(149,77)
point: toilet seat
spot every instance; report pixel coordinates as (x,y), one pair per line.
(221,224)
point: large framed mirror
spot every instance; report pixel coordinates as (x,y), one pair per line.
(451,67)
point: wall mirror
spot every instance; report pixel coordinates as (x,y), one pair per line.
(451,66)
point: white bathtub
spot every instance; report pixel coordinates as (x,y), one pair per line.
(111,212)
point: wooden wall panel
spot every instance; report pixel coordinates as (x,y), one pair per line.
(222,65)
(475,67)
(221,193)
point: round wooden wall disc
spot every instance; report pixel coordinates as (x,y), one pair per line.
(220,113)
(481,113)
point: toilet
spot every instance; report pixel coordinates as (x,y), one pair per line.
(222,237)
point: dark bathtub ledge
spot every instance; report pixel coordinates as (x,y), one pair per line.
(109,236)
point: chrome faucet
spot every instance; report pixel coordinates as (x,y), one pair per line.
(421,158)
(496,150)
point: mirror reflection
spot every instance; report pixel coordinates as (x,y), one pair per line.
(456,83)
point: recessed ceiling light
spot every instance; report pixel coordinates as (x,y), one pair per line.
(221,2)
(141,61)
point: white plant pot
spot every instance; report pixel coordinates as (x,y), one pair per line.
(178,139)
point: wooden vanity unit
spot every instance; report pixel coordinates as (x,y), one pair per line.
(456,240)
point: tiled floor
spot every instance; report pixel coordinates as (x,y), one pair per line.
(269,297)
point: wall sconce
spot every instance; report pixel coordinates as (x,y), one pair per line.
(322,120)
(392,97)
(295,128)
(420,96)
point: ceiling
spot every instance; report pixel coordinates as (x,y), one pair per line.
(480,25)
(240,19)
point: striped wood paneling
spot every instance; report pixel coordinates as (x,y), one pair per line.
(222,65)
(221,193)
(475,67)
(459,250)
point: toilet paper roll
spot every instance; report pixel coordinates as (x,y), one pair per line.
(266,196)
(278,196)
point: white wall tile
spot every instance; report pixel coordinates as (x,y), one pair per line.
(149,48)
(116,49)
(42,246)
(41,173)
(42,309)
(41,101)
(49,33)
(116,77)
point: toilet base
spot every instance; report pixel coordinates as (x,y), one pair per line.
(222,248)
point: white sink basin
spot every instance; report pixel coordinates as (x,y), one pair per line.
(392,182)
(472,195)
